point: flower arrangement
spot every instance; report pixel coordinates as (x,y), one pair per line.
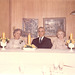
(70,43)
(4,40)
(71,40)
(21,41)
(29,45)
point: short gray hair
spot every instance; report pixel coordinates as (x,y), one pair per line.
(16,31)
(61,31)
(40,28)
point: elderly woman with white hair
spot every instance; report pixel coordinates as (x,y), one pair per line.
(16,42)
(60,41)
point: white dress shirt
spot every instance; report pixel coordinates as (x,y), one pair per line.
(40,39)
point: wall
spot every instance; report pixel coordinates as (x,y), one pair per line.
(4,18)
(12,12)
(43,9)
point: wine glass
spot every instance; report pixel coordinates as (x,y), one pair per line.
(71,45)
(3,44)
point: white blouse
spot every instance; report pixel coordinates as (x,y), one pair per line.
(59,44)
(13,43)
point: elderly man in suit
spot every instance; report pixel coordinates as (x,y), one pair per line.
(42,41)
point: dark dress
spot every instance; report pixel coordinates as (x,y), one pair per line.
(46,43)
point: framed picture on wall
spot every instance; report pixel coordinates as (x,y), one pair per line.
(29,25)
(51,25)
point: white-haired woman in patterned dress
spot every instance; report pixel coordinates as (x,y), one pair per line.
(60,41)
(16,42)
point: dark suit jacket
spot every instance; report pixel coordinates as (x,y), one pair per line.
(46,43)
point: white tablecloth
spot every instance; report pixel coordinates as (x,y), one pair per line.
(37,62)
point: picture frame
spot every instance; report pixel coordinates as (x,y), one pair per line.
(30,25)
(52,25)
